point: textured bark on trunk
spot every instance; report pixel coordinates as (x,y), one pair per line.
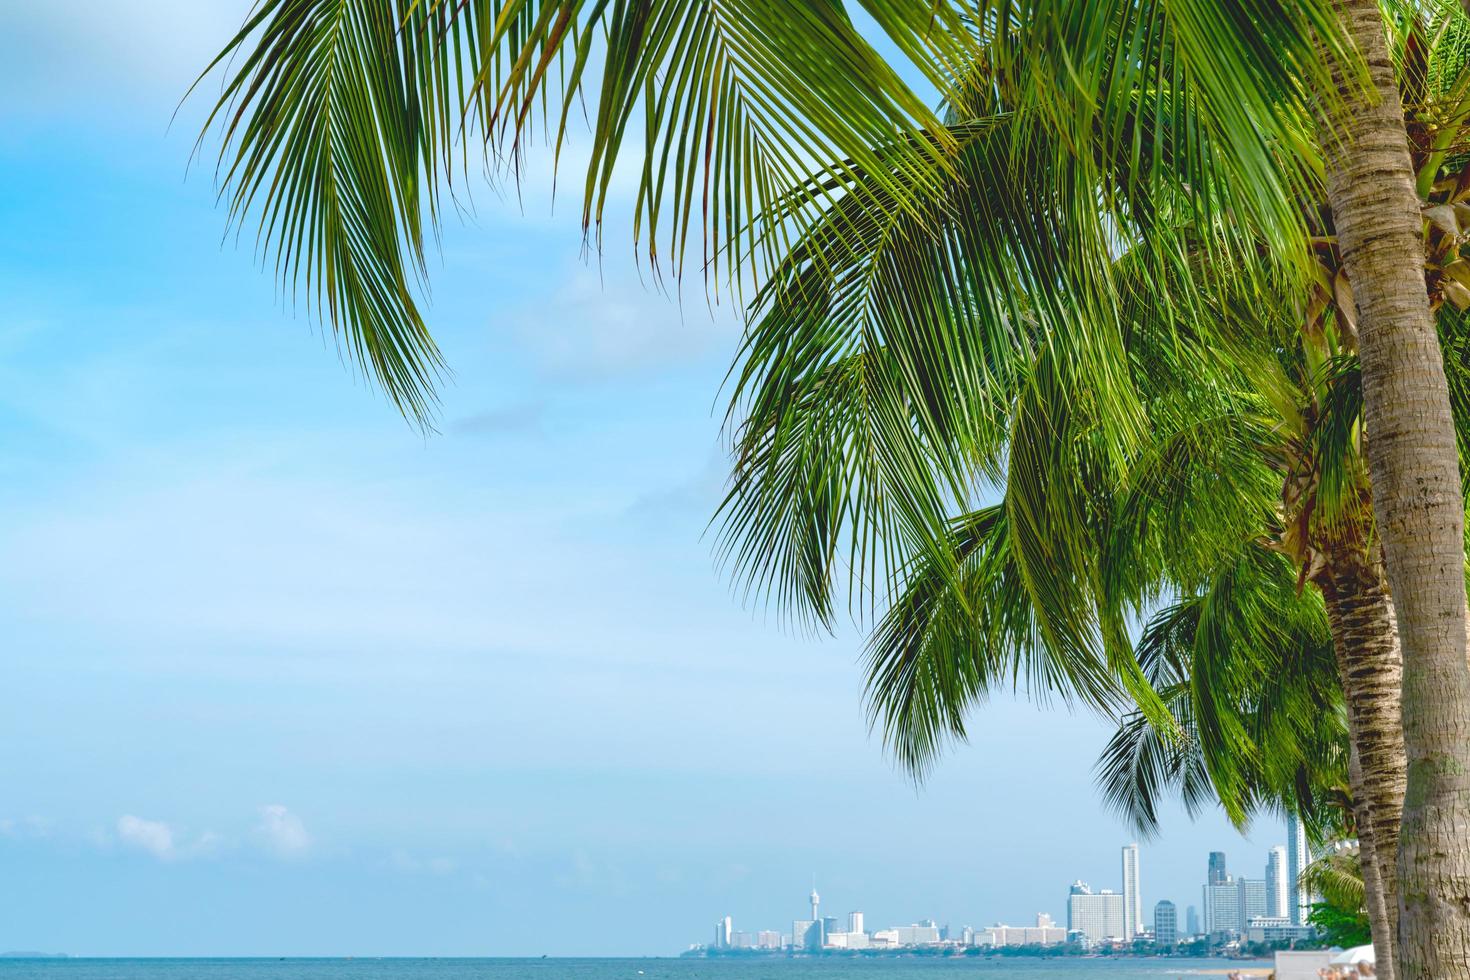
(1375,875)
(1416,496)
(1365,641)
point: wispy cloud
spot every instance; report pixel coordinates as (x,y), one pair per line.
(595,329)
(152,836)
(281,832)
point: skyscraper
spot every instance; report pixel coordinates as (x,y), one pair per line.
(723,930)
(1166,923)
(1217,874)
(855,922)
(1253,898)
(1191,920)
(1277,896)
(1097,916)
(1298,904)
(1132,901)
(1222,908)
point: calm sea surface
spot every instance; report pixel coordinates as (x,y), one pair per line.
(607,969)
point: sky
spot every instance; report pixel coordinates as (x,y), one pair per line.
(284,676)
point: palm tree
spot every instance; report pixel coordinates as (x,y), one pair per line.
(1418,496)
(347,122)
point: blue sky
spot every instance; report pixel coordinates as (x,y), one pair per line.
(283,676)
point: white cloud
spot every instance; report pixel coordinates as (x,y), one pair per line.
(589,328)
(153,836)
(282,832)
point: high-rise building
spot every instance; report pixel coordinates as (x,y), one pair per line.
(1166,923)
(830,925)
(806,934)
(1191,920)
(1217,875)
(855,922)
(1098,916)
(723,930)
(1132,901)
(1222,908)
(768,939)
(1277,896)
(1298,902)
(1252,899)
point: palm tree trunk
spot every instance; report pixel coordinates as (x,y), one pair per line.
(1375,877)
(1416,494)
(1365,641)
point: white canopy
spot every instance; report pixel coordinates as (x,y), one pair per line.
(1354,956)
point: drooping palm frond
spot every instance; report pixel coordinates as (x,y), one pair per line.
(1246,667)
(340,119)
(936,312)
(942,648)
(327,121)
(1337,876)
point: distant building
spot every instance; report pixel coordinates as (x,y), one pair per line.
(830,926)
(1217,874)
(1253,899)
(919,934)
(1132,902)
(1166,923)
(1191,920)
(1298,901)
(847,940)
(742,940)
(723,929)
(855,922)
(1044,933)
(768,939)
(1277,895)
(1097,916)
(1276,929)
(885,937)
(1222,908)
(806,934)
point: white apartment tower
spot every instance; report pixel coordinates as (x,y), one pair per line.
(1298,902)
(1132,901)
(855,922)
(724,930)
(1097,915)
(1277,894)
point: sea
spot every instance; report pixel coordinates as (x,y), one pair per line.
(615,969)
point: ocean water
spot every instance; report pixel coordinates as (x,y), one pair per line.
(611,969)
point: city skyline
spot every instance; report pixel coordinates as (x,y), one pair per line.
(1232,904)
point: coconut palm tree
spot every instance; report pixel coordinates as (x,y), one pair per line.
(347,123)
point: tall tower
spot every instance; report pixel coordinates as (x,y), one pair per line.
(815,900)
(1217,874)
(1298,901)
(1276,892)
(1132,901)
